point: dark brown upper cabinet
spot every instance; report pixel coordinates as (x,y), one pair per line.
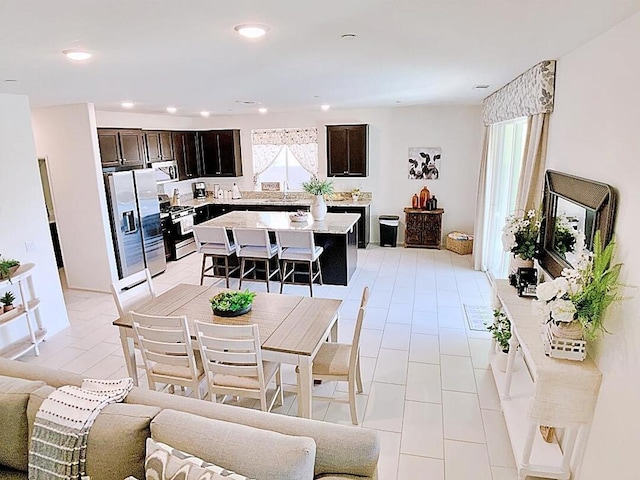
(159,146)
(347,150)
(220,154)
(120,148)
(186,154)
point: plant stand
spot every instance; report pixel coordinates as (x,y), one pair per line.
(28,311)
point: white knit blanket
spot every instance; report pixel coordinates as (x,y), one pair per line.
(59,439)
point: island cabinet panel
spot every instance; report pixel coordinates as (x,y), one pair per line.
(347,150)
(121,147)
(159,146)
(363,225)
(220,154)
(186,154)
(423,228)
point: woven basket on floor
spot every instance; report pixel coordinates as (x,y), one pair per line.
(460,243)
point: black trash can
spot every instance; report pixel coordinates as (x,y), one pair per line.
(388,230)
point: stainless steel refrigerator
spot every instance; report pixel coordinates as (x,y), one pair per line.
(135,221)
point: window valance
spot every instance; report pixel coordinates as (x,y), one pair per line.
(529,94)
(284,136)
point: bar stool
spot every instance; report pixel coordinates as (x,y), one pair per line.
(298,247)
(213,243)
(253,244)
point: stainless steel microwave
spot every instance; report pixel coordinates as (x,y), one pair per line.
(165,171)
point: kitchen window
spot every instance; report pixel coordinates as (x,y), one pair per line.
(287,156)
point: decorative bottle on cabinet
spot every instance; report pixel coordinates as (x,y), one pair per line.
(424,197)
(415,201)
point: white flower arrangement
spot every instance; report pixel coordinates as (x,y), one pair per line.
(584,292)
(520,235)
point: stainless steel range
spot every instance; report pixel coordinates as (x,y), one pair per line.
(179,228)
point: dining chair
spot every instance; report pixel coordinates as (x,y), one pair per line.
(213,243)
(167,353)
(340,362)
(253,244)
(297,247)
(133,290)
(233,364)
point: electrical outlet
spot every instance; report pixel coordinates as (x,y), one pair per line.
(30,246)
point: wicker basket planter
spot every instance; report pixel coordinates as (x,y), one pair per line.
(558,343)
(460,243)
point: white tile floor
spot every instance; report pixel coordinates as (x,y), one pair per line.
(427,387)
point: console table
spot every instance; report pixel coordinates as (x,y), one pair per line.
(544,391)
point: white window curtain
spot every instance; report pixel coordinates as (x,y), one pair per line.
(505,151)
(267,144)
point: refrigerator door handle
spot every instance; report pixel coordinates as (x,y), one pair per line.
(129,220)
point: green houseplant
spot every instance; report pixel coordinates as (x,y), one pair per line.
(232,304)
(319,188)
(7,267)
(7,300)
(500,330)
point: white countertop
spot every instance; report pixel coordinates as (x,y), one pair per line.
(334,223)
(268,201)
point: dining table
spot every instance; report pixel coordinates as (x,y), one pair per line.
(292,328)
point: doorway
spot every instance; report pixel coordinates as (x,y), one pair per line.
(48,199)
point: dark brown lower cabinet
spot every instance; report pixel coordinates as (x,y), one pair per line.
(423,228)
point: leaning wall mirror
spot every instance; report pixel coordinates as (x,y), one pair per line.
(574,209)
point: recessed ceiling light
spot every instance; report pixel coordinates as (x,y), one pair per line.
(263,110)
(325,107)
(481,86)
(252,30)
(172,109)
(204,113)
(127,104)
(77,55)
(349,36)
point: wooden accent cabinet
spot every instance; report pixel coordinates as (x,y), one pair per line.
(347,150)
(423,228)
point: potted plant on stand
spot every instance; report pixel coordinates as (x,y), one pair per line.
(7,300)
(318,188)
(501,332)
(7,267)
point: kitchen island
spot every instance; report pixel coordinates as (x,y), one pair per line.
(336,234)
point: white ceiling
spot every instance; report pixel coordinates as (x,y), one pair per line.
(185,52)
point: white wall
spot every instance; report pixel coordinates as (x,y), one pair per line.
(67,136)
(457,130)
(23,216)
(594,134)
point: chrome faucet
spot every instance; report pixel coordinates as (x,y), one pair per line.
(285,190)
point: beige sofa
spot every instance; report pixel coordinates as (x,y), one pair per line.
(253,443)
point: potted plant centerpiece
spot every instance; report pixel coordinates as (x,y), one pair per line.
(573,304)
(7,300)
(7,267)
(520,237)
(501,332)
(319,188)
(232,304)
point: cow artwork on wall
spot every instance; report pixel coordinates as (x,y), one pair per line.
(424,163)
